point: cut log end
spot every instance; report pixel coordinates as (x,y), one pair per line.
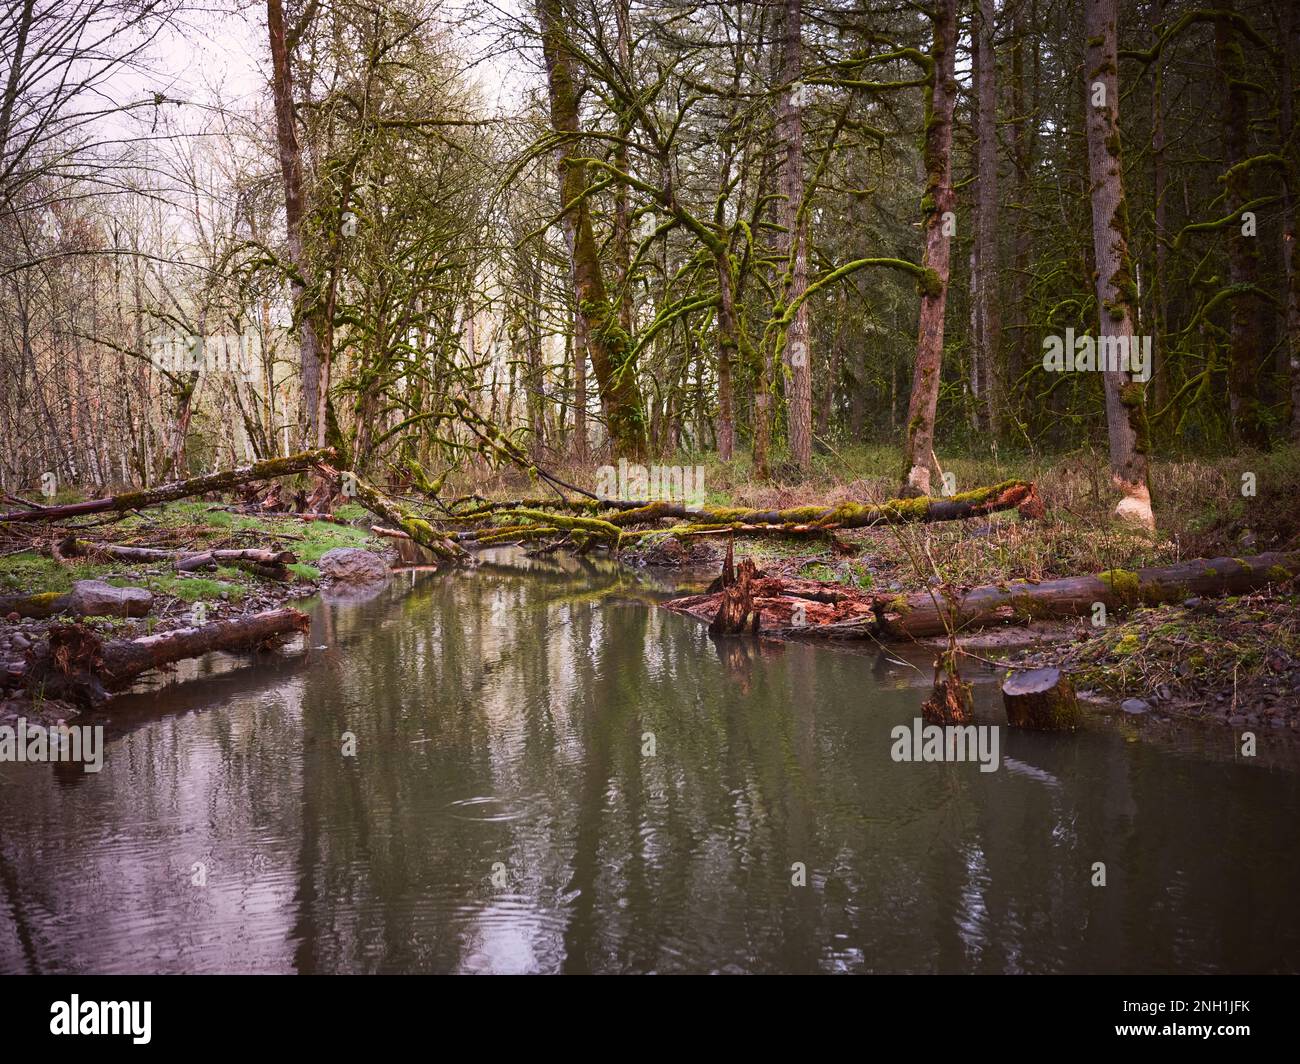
(1041,700)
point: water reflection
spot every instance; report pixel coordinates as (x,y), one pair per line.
(501,812)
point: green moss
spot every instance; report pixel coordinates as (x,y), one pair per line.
(1129,644)
(1279,574)
(1124,584)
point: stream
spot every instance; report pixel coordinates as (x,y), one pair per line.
(527,767)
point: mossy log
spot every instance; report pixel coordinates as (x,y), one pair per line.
(395,514)
(179,489)
(261,559)
(1009,495)
(1020,602)
(794,608)
(74,664)
(1041,700)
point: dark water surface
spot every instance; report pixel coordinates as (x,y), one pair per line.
(500,814)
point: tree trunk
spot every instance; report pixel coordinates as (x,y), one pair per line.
(1125,402)
(795,238)
(1248,419)
(294,209)
(607,343)
(1290,139)
(1042,700)
(939,200)
(986,232)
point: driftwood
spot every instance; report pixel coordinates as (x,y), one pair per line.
(824,610)
(180,489)
(74,664)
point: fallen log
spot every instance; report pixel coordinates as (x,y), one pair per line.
(74,664)
(1020,602)
(795,608)
(180,489)
(394,514)
(182,560)
(1009,495)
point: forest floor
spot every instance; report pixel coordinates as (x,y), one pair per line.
(1233,659)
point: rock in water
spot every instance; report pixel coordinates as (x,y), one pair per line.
(94,598)
(1041,699)
(352,566)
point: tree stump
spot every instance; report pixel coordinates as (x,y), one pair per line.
(1042,700)
(951,701)
(736,612)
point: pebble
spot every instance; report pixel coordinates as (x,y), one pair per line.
(1134,705)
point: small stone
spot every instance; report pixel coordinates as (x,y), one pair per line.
(1134,706)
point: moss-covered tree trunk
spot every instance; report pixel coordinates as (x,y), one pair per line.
(1116,290)
(940,96)
(608,343)
(1290,138)
(1248,420)
(294,209)
(728,349)
(795,237)
(986,237)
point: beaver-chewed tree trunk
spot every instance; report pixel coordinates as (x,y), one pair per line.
(736,613)
(1041,699)
(951,702)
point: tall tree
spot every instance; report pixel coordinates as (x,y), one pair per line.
(798,356)
(937,207)
(1116,290)
(1248,418)
(286,135)
(986,217)
(608,345)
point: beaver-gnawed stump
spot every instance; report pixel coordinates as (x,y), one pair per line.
(1041,699)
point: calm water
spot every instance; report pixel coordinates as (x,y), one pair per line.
(500,814)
